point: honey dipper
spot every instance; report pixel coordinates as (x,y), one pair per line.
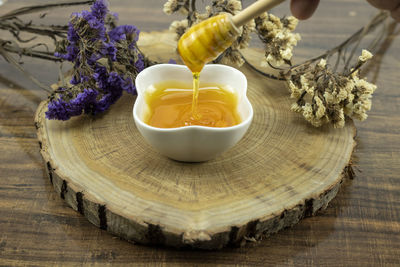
(206,40)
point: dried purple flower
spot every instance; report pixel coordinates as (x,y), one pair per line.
(64,110)
(72,35)
(106,61)
(110,51)
(124,32)
(139,64)
(99,9)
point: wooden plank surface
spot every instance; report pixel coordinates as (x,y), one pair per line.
(360,227)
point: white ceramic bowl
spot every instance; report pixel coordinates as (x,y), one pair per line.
(192,143)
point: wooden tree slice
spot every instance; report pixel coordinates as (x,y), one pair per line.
(281,171)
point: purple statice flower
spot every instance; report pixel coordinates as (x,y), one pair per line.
(96,25)
(139,64)
(113,80)
(128,86)
(110,51)
(57,110)
(100,76)
(112,86)
(124,32)
(97,29)
(71,55)
(105,102)
(86,98)
(77,79)
(62,110)
(99,9)
(72,36)
(115,15)
(172,61)
(105,64)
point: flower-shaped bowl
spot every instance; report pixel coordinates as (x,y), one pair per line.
(192,143)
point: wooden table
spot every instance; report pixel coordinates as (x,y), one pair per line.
(360,227)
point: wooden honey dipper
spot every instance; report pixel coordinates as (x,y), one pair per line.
(206,40)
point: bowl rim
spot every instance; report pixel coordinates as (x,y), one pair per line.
(200,127)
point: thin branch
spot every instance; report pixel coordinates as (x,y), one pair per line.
(337,60)
(38,8)
(363,33)
(18,66)
(193,5)
(51,31)
(16,35)
(377,20)
(375,65)
(340,49)
(30,52)
(380,37)
(270,76)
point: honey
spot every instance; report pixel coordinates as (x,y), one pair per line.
(196,82)
(204,41)
(170,105)
(199,45)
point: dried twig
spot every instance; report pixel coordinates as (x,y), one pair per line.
(16,64)
(356,37)
(378,20)
(38,8)
(15,49)
(17,26)
(268,75)
(10,22)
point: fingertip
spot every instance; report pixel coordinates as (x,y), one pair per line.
(396,14)
(303,9)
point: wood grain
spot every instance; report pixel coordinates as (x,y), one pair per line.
(282,171)
(360,227)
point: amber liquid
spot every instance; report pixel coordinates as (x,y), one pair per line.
(196,84)
(170,105)
(200,44)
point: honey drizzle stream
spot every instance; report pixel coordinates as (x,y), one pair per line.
(196,78)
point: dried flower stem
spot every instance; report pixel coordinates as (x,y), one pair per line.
(193,5)
(16,26)
(376,21)
(15,49)
(10,22)
(16,64)
(356,37)
(268,75)
(38,8)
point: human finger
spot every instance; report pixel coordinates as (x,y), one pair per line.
(392,5)
(303,9)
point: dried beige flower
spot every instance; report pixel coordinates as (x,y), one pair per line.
(296,108)
(338,119)
(365,56)
(295,91)
(245,36)
(321,110)
(322,63)
(277,35)
(323,96)
(179,26)
(230,6)
(172,6)
(232,56)
(291,23)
